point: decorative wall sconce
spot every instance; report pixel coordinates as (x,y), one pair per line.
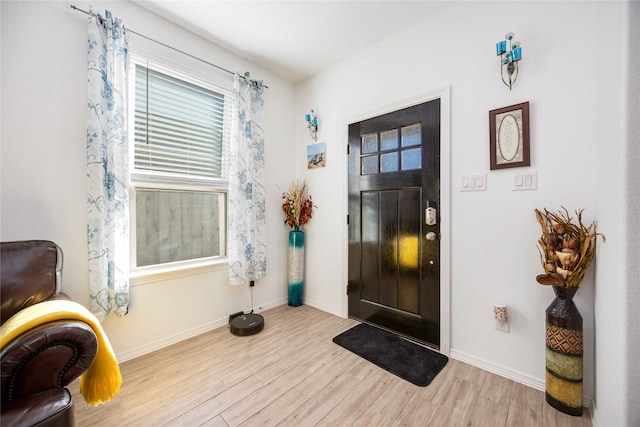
(509,59)
(312,124)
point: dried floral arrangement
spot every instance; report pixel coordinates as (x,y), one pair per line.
(297,205)
(566,249)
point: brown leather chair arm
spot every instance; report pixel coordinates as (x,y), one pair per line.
(50,408)
(47,357)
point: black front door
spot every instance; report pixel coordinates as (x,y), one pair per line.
(394,246)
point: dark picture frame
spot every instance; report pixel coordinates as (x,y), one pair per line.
(509,137)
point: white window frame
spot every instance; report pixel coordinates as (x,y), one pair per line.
(158,180)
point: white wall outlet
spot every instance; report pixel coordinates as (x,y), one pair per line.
(525,181)
(501,317)
(473,182)
(502,326)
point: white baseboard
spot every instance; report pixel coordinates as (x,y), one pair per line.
(167,341)
(174,339)
(511,374)
(323,307)
(272,304)
(519,377)
(594,415)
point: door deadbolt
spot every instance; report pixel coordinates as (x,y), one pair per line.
(431,236)
(430,214)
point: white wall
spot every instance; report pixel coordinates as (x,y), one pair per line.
(632,266)
(617,394)
(43,167)
(575,109)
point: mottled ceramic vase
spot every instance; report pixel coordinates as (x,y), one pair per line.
(564,353)
(296,267)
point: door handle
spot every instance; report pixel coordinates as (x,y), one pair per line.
(431,236)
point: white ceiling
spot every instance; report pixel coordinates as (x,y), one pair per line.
(294,39)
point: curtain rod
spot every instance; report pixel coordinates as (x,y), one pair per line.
(170,47)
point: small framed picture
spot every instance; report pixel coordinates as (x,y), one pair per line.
(316,155)
(509,136)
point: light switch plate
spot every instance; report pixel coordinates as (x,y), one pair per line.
(525,181)
(473,182)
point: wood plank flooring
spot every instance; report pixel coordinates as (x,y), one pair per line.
(292,374)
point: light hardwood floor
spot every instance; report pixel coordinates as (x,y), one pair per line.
(292,374)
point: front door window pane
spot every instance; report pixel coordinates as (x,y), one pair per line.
(369,165)
(411,159)
(389,140)
(389,162)
(411,135)
(370,143)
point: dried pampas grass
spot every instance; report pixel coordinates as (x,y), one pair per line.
(566,249)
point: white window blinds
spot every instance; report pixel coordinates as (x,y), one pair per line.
(179,127)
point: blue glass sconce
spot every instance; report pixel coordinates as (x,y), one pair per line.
(509,57)
(312,124)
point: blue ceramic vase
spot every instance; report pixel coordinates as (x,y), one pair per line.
(296,267)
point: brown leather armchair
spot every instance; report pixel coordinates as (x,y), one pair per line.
(39,364)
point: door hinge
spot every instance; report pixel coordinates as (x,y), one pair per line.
(347,219)
(347,149)
(352,287)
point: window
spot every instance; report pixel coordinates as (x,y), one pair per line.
(179,139)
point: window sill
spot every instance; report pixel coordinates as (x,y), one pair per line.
(147,276)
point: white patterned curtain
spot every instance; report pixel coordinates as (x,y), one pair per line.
(107,167)
(247,242)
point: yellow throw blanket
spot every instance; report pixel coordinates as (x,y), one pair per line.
(102,380)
